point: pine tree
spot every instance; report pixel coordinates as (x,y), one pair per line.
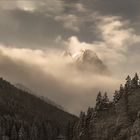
(116,97)
(94,115)
(89,112)
(92,119)
(135,131)
(22,134)
(14,134)
(88,121)
(88,116)
(82,124)
(135,81)
(69,130)
(128,84)
(3,126)
(1,132)
(98,106)
(125,112)
(41,132)
(105,101)
(34,132)
(105,98)
(50,131)
(118,94)
(121,91)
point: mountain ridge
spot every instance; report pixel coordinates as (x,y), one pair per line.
(22,110)
(44,98)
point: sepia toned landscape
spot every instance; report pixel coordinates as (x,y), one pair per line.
(69,70)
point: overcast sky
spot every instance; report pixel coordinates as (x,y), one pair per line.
(33,34)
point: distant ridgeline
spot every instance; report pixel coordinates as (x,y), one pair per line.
(112,120)
(24,116)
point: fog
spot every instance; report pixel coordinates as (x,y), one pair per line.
(34,37)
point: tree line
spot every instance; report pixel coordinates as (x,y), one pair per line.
(24,116)
(84,128)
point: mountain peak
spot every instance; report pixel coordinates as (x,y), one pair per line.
(87,59)
(85,55)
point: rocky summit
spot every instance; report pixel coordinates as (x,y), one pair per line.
(87,60)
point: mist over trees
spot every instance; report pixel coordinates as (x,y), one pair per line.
(109,119)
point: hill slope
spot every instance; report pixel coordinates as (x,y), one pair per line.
(44,98)
(112,120)
(22,110)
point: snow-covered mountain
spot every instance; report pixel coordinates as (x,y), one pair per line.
(87,60)
(86,56)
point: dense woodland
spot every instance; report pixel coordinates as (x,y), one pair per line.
(112,120)
(24,116)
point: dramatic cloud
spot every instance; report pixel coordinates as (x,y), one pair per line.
(33,5)
(53,76)
(125,8)
(33,35)
(38,23)
(70,21)
(116,40)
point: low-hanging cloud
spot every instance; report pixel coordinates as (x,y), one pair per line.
(50,74)
(53,76)
(116,39)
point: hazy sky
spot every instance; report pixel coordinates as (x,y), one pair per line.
(33,35)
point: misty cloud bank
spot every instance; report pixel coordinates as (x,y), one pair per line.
(34,36)
(50,74)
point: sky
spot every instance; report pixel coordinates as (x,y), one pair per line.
(34,34)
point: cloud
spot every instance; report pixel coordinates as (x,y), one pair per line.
(116,32)
(53,76)
(36,23)
(70,21)
(27,5)
(31,23)
(23,29)
(126,8)
(34,33)
(118,37)
(59,17)
(33,5)
(80,7)
(117,40)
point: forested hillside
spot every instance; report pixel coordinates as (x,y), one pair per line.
(112,120)
(23,116)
